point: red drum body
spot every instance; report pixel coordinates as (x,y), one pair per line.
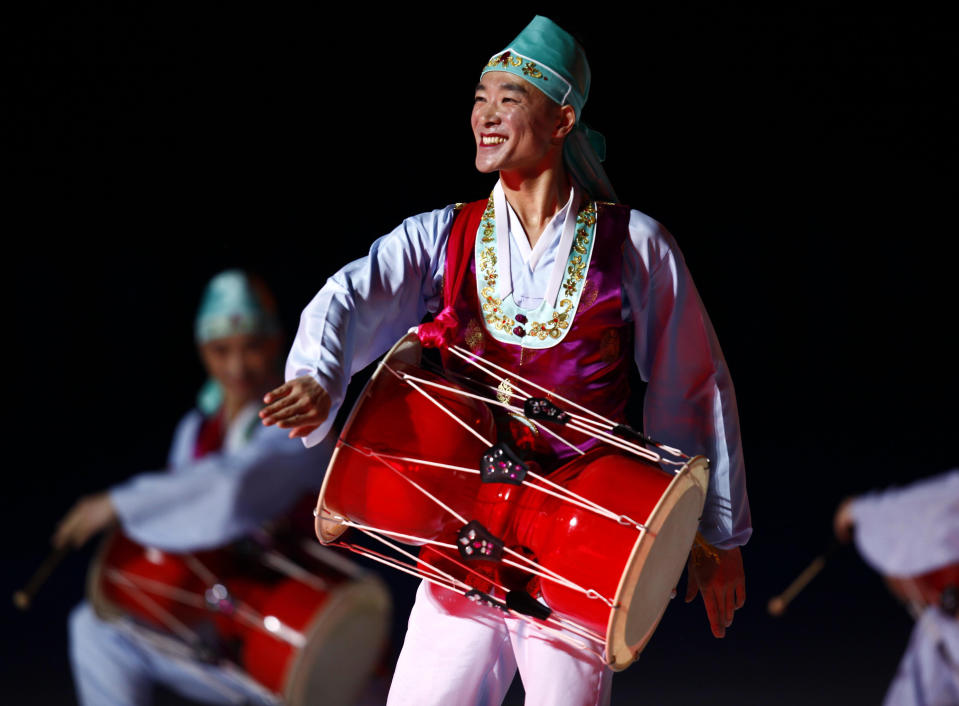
(395,419)
(616,577)
(295,624)
(575,542)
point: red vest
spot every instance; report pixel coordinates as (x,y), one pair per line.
(588,366)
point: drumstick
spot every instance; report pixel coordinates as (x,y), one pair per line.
(778,604)
(24,597)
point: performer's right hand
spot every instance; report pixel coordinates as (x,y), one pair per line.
(88,516)
(299,405)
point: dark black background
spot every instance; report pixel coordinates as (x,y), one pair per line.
(803,158)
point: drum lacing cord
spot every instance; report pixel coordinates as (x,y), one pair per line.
(286,566)
(455,584)
(586,425)
(449,582)
(370,453)
(435,570)
(582,427)
(243,612)
(531,567)
(528,566)
(559,492)
(443,409)
(174,624)
(406,377)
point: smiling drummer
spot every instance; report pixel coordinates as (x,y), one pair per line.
(549,278)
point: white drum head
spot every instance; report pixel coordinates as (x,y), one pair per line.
(656,564)
(343,646)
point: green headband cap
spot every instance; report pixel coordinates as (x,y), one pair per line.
(546,56)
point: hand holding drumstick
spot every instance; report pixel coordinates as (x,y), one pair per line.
(88,516)
(843,524)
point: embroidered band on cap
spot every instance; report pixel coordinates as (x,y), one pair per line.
(543,77)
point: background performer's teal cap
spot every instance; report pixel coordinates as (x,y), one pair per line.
(234,303)
(547,56)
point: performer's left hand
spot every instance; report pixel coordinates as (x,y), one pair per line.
(722,583)
(300,405)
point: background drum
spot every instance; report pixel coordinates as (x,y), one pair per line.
(300,621)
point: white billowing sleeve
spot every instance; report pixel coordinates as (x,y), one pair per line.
(204,503)
(690,402)
(368,305)
(912,530)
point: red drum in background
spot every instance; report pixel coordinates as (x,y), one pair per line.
(382,470)
(939,587)
(301,624)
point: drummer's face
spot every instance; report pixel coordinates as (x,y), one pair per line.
(514,125)
(243,364)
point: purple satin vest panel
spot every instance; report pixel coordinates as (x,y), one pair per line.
(590,365)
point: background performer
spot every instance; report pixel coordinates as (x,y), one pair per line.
(911,536)
(226,475)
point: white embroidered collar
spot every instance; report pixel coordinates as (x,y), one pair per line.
(507,221)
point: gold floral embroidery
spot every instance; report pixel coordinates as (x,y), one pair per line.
(576,267)
(555,326)
(587,216)
(488,266)
(575,272)
(507,59)
(504,392)
(529,68)
(581,241)
(488,224)
(492,308)
(493,312)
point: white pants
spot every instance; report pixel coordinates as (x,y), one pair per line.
(467,655)
(928,673)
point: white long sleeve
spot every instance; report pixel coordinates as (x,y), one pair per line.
(912,530)
(690,402)
(368,305)
(204,503)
